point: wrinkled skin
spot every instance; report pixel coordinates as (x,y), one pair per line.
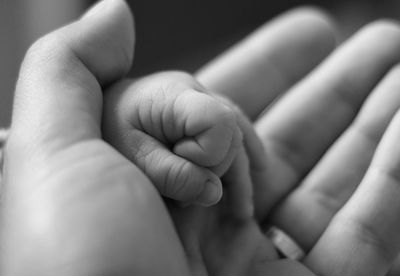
(182,138)
(224,239)
(73,205)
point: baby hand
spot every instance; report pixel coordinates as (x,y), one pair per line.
(182,138)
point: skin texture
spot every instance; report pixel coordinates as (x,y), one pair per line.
(320,156)
(73,205)
(71,202)
(183,139)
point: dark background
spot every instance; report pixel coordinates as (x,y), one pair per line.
(184,34)
(171,34)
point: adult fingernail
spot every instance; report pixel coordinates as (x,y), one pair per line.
(211,194)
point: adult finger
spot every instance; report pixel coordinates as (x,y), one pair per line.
(363,238)
(273,58)
(58,96)
(331,183)
(299,129)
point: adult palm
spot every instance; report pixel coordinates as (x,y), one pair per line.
(75,206)
(330,140)
(72,205)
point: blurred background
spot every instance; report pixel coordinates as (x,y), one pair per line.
(171,34)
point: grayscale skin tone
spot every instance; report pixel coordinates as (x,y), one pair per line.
(73,205)
(182,137)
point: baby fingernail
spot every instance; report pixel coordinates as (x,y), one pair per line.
(211,194)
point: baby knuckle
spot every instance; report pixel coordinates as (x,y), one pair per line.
(317,17)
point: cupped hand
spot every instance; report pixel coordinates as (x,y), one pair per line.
(331,168)
(71,204)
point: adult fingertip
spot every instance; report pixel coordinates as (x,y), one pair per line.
(107,15)
(104,5)
(314,13)
(322,21)
(96,8)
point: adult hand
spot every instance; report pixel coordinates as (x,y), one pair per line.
(321,139)
(67,193)
(208,234)
(71,204)
(215,240)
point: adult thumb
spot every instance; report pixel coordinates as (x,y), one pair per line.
(59,91)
